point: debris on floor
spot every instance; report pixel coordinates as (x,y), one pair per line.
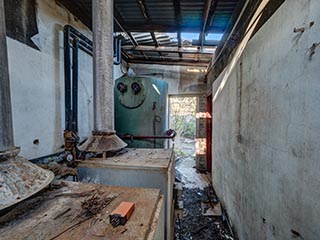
(201,216)
(213,209)
(194,225)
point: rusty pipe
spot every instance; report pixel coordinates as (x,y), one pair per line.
(170,134)
(6,129)
(132,137)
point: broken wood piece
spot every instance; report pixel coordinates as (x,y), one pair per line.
(207,210)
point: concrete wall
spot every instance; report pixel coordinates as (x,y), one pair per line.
(266,129)
(37,84)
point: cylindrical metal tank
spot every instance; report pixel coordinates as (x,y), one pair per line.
(141,110)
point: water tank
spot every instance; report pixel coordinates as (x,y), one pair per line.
(141,110)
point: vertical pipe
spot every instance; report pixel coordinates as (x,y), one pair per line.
(67,78)
(6,129)
(75,84)
(103,65)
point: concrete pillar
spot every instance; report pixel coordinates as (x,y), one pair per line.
(6,129)
(103,137)
(103,65)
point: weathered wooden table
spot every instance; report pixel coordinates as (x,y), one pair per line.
(52,213)
(147,168)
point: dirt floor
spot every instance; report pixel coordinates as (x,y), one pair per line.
(193,224)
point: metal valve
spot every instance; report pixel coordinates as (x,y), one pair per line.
(136,88)
(122,87)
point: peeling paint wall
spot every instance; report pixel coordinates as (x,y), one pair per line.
(266,129)
(37,84)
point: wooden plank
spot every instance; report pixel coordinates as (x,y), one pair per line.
(44,218)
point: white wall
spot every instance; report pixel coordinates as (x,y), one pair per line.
(37,84)
(269,178)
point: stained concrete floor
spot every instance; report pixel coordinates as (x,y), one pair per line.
(193,224)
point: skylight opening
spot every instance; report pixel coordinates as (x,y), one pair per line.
(214,36)
(190,36)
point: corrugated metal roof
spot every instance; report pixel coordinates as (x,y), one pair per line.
(158,22)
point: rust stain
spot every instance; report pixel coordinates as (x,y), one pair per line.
(21,179)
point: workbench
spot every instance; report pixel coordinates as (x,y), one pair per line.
(51,212)
(136,167)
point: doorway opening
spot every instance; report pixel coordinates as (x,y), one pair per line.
(198,212)
(183,121)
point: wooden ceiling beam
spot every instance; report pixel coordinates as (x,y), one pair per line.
(146,16)
(208,12)
(154,39)
(168,62)
(144,10)
(169,28)
(203,59)
(119,21)
(205,16)
(211,15)
(177,13)
(165,49)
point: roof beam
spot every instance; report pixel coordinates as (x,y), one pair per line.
(168,62)
(133,40)
(211,14)
(169,28)
(166,49)
(179,39)
(155,40)
(208,11)
(146,16)
(177,13)
(119,21)
(144,10)
(179,42)
(205,16)
(203,59)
